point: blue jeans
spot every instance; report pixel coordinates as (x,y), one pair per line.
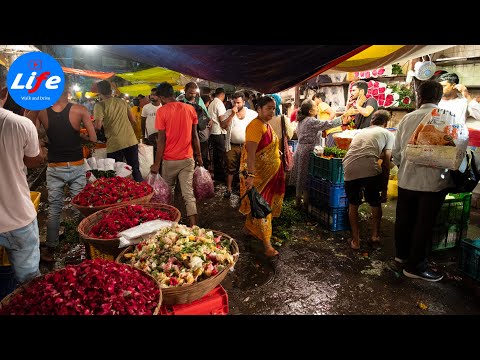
(57,178)
(23,249)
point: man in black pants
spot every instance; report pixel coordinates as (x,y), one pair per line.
(115,116)
(421,192)
(217,134)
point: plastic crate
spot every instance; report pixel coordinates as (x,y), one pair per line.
(455,209)
(35,197)
(335,219)
(214,303)
(327,169)
(322,192)
(293,144)
(8,283)
(447,236)
(469,260)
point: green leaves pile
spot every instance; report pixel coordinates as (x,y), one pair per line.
(334,151)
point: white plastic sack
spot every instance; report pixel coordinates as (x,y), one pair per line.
(439,141)
(124,171)
(109,164)
(136,234)
(145,159)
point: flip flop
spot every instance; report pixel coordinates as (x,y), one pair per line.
(351,245)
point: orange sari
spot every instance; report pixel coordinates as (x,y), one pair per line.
(269,180)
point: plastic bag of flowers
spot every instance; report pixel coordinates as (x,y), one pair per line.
(202,184)
(94,287)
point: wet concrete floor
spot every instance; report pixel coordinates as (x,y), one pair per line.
(317,272)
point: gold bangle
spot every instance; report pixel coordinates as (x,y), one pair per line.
(250,175)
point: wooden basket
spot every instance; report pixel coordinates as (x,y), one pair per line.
(107,249)
(87,210)
(6,300)
(191,292)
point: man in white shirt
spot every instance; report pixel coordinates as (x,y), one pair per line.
(235,121)
(457,99)
(19,146)
(217,134)
(149,112)
(421,192)
(364,175)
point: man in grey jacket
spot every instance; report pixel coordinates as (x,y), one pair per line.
(421,192)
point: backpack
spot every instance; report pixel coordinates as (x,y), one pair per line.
(202,116)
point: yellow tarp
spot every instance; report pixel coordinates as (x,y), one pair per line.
(144,89)
(377,56)
(152,76)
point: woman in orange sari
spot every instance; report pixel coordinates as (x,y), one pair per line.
(260,161)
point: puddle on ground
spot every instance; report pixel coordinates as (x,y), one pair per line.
(252,271)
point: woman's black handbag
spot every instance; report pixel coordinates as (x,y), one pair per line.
(259,207)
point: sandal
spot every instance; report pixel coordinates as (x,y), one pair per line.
(352,246)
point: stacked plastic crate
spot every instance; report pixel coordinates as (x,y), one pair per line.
(469,260)
(327,198)
(452,221)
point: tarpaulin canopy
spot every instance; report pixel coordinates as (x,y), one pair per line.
(144,89)
(152,76)
(377,56)
(8,53)
(265,68)
(89,73)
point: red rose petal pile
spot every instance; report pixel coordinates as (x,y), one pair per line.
(94,287)
(107,191)
(125,218)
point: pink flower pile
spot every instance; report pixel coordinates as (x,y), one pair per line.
(94,287)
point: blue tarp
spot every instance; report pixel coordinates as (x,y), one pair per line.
(265,68)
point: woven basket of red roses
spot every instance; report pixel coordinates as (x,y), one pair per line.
(171,269)
(107,192)
(100,230)
(93,287)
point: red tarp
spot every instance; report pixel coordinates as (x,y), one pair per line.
(95,74)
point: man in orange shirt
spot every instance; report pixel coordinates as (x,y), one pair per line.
(174,121)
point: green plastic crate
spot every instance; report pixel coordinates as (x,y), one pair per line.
(469,260)
(447,236)
(327,169)
(455,209)
(452,221)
